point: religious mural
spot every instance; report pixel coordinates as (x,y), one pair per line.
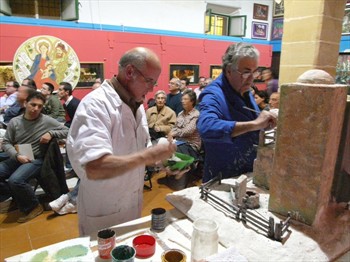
(46,59)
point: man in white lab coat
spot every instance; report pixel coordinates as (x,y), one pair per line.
(107,144)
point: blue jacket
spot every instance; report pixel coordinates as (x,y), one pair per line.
(220,107)
(14,110)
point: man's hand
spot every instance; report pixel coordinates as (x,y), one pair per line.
(45,138)
(158,153)
(23,159)
(266,120)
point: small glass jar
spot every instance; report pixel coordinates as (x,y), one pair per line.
(205,239)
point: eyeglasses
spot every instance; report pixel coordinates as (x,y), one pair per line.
(246,75)
(147,80)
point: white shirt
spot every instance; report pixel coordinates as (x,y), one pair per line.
(7,101)
(104,124)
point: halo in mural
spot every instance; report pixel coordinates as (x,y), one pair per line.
(46,59)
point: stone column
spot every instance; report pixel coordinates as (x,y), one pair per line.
(311,37)
(308,134)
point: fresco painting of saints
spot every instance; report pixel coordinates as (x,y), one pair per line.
(46,59)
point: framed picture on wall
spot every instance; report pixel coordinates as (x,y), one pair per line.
(260,12)
(215,71)
(346,21)
(6,74)
(277,29)
(181,71)
(89,72)
(259,30)
(278,8)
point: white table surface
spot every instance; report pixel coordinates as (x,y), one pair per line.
(126,232)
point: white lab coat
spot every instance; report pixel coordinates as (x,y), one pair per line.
(104,124)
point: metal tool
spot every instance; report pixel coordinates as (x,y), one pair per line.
(250,109)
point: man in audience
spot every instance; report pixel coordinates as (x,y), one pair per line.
(274,101)
(28,87)
(52,106)
(173,99)
(228,129)
(37,130)
(160,118)
(107,140)
(201,86)
(71,103)
(10,96)
(184,84)
(208,81)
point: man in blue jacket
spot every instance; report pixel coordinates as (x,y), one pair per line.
(228,129)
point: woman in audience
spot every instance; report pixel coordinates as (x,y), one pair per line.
(160,118)
(262,100)
(188,140)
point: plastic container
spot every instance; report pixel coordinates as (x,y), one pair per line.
(123,253)
(145,246)
(186,161)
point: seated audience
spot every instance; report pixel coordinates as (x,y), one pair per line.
(15,173)
(262,100)
(160,118)
(274,101)
(28,87)
(151,102)
(208,81)
(253,90)
(10,96)
(66,203)
(173,99)
(184,84)
(71,103)
(52,106)
(189,141)
(202,84)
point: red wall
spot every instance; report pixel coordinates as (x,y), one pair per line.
(96,46)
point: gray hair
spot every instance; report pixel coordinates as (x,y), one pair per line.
(235,52)
(178,81)
(158,93)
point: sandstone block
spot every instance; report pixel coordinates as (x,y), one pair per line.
(309,129)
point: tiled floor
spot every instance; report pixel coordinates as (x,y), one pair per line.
(49,228)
